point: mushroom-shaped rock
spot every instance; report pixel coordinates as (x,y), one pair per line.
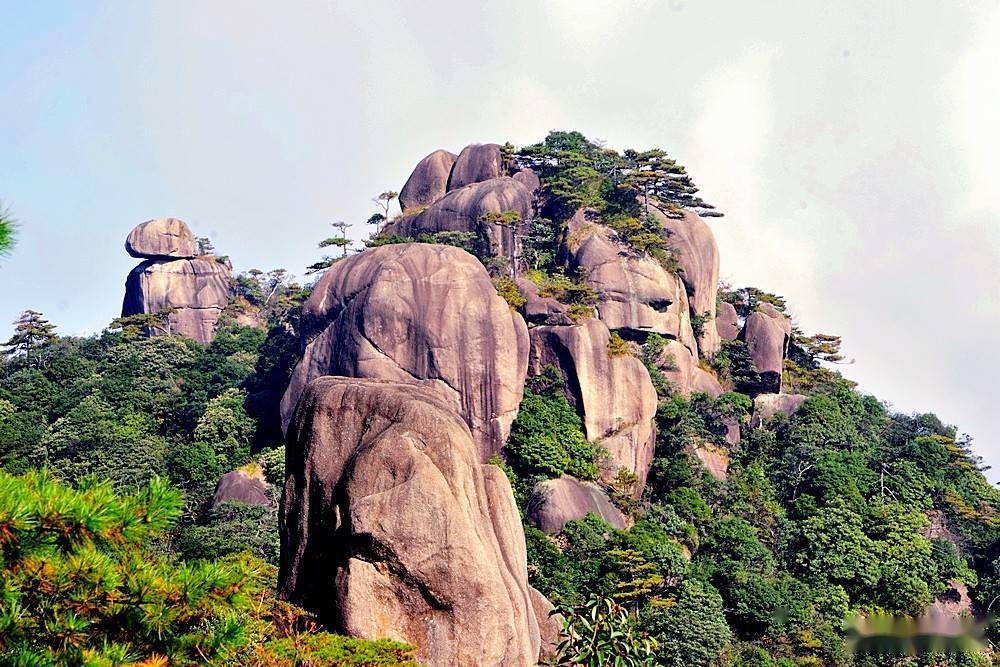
(541,309)
(553,502)
(634,291)
(613,394)
(766,333)
(242,486)
(766,406)
(391,526)
(476,163)
(727,322)
(163,238)
(418,311)
(428,182)
(696,251)
(463,210)
(192,293)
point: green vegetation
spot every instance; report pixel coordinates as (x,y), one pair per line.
(7,232)
(547,438)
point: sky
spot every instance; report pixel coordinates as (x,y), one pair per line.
(850,144)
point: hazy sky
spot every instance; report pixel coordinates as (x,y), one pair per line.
(851,145)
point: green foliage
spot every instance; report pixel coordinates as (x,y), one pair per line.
(326,650)
(509,292)
(602,632)
(617,346)
(547,438)
(691,632)
(233,527)
(8,232)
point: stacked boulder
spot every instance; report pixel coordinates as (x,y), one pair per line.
(188,290)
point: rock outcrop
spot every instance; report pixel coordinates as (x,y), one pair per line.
(714,458)
(766,406)
(392,527)
(462,210)
(613,394)
(766,333)
(727,322)
(241,486)
(163,238)
(476,163)
(418,311)
(694,245)
(634,292)
(541,309)
(553,502)
(428,182)
(188,292)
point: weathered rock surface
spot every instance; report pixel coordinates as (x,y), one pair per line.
(428,182)
(541,309)
(549,625)
(714,458)
(476,163)
(678,365)
(634,291)
(614,395)
(391,526)
(727,322)
(766,406)
(243,487)
(196,290)
(462,211)
(698,254)
(528,178)
(705,382)
(766,333)
(553,502)
(162,238)
(418,311)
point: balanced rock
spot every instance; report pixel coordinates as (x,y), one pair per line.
(613,394)
(634,292)
(392,527)
(191,292)
(766,333)
(418,311)
(163,238)
(476,163)
(241,486)
(766,406)
(727,322)
(696,250)
(428,182)
(553,502)
(463,210)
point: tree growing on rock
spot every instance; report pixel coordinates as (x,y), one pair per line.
(383,201)
(340,241)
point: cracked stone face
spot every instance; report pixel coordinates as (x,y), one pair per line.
(418,311)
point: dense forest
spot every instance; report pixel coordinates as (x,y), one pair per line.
(115,551)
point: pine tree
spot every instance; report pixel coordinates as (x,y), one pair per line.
(6,232)
(31,334)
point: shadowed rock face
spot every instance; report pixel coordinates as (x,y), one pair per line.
(418,311)
(476,163)
(766,333)
(613,395)
(391,526)
(161,238)
(634,292)
(553,502)
(727,322)
(462,211)
(428,182)
(696,250)
(240,486)
(197,290)
(540,309)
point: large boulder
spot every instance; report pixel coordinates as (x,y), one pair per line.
(192,291)
(766,406)
(241,486)
(715,459)
(694,245)
(634,292)
(392,527)
(553,502)
(613,394)
(476,163)
(766,333)
(163,238)
(727,322)
(539,309)
(428,182)
(418,311)
(462,210)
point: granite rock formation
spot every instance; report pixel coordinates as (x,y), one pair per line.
(428,182)
(766,332)
(553,502)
